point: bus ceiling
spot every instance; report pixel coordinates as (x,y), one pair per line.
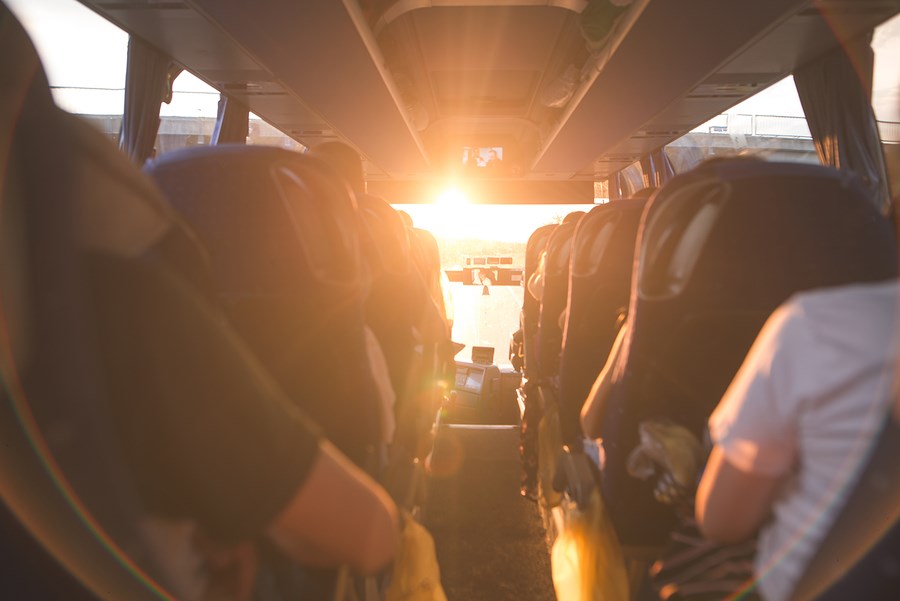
(557,90)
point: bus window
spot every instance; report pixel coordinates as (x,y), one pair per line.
(85,59)
(886,79)
(187,120)
(86,71)
(770,124)
(886,95)
(190,118)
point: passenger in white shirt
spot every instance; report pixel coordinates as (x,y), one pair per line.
(795,425)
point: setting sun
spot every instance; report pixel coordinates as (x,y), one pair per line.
(452,198)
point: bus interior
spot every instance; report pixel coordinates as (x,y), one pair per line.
(506,256)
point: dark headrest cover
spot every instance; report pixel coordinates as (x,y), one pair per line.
(274,221)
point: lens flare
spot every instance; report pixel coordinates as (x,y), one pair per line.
(452,198)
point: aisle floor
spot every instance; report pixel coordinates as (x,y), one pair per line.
(490,543)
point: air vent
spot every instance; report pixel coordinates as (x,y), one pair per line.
(142,6)
(725,89)
(313,133)
(665,133)
(257,93)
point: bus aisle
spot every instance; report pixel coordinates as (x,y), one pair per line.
(490,543)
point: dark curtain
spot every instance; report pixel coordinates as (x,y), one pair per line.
(148,83)
(658,168)
(631,179)
(835,92)
(662,167)
(232,122)
(615,186)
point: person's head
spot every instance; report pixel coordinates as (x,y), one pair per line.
(345,160)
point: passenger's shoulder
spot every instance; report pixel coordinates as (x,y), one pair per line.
(882,295)
(867,312)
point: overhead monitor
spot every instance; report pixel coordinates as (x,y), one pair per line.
(482,157)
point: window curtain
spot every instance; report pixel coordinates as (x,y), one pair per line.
(662,167)
(624,183)
(148,83)
(615,186)
(232,122)
(658,168)
(835,92)
(631,180)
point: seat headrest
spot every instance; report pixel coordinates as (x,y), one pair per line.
(737,216)
(427,253)
(386,237)
(21,82)
(275,222)
(120,211)
(536,243)
(73,492)
(594,233)
(559,250)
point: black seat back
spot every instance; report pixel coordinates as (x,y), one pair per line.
(395,288)
(719,249)
(70,507)
(282,234)
(553,301)
(531,307)
(599,289)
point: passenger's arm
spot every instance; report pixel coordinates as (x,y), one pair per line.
(595,406)
(339,515)
(213,439)
(732,504)
(754,431)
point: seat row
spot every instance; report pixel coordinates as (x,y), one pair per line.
(190,357)
(643,310)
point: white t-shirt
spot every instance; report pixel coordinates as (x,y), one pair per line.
(807,403)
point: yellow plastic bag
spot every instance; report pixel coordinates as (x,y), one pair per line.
(416,575)
(587,559)
(670,454)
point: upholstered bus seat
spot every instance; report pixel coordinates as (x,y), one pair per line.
(394,288)
(282,235)
(433,319)
(531,306)
(91,254)
(52,547)
(397,304)
(599,289)
(719,249)
(553,300)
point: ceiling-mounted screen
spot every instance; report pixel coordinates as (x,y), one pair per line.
(482,157)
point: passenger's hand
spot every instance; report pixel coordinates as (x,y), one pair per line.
(338,516)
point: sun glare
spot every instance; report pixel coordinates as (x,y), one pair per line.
(452,198)
(508,223)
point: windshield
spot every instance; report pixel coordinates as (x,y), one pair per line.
(484,314)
